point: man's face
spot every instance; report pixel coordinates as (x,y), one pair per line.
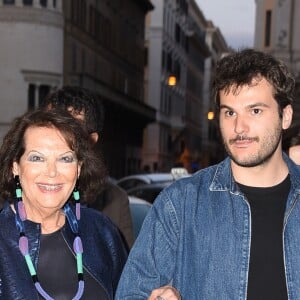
(250,124)
(79,115)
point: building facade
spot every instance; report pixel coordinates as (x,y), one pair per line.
(95,44)
(195,113)
(104,52)
(277,31)
(103,46)
(166,42)
(182,43)
(212,148)
(31,55)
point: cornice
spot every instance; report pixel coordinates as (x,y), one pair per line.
(41,16)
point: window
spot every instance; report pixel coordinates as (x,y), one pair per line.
(177,33)
(83,61)
(43,92)
(169,143)
(8,1)
(268,28)
(82,14)
(146,56)
(76,11)
(163,59)
(74,58)
(92,18)
(35,91)
(177,70)
(169,62)
(31,96)
(43,3)
(27,2)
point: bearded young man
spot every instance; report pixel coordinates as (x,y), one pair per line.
(231,231)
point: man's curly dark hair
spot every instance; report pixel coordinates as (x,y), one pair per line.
(242,67)
(80,100)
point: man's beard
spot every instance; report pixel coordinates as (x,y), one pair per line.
(267,149)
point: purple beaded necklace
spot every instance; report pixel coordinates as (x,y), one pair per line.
(73,221)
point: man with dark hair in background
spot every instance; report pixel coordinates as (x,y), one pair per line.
(83,105)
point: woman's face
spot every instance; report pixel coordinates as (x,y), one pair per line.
(48,171)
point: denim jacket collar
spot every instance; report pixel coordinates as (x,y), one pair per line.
(223,178)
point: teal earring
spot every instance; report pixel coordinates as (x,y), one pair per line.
(76,197)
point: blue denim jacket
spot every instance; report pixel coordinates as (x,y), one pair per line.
(104,253)
(197,238)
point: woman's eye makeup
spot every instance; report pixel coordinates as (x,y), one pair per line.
(67,158)
(35,158)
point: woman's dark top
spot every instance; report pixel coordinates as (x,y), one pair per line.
(57,271)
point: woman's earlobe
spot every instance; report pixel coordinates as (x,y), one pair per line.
(15,169)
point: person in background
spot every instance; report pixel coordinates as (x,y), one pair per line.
(294,150)
(51,248)
(83,105)
(291,143)
(232,230)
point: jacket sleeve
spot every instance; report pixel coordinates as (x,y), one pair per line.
(151,261)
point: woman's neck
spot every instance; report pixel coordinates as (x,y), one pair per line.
(52,224)
(50,221)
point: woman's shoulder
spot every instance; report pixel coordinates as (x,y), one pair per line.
(6,212)
(7,222)
(96,224)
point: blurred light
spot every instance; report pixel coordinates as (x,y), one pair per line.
(172,80)
(210,115)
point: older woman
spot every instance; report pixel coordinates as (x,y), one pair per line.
(50,248)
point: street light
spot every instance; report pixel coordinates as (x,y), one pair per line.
(172,80)
(210,115)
